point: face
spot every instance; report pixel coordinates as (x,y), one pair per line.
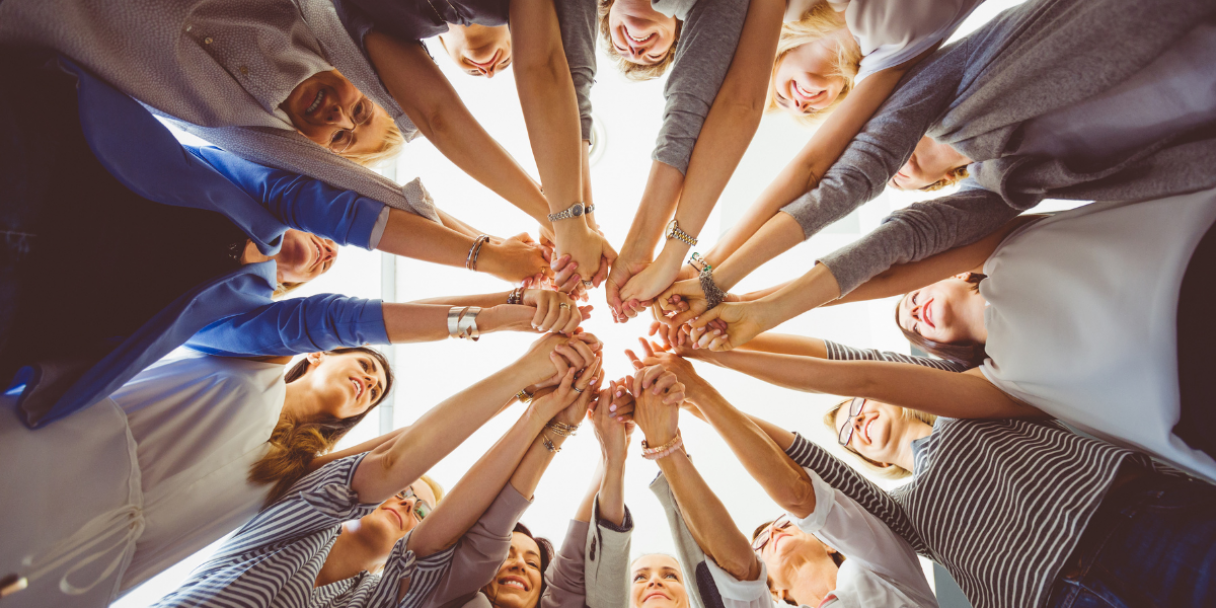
(930,162)
(801,82)
(304,257)
(947,312)
(396,516)
(876,430)
(639,33)
(800,567)
(657,583)
(477,49)
(344,384)
(329,110)
(517,584)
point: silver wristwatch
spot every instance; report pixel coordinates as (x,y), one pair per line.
(674,232)
(575,210)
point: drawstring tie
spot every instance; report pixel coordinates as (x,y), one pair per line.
(128,520)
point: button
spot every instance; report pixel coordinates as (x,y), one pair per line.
(207,40)
(189,27)
(244,70)
(12,584)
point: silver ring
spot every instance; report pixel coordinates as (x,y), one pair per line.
(577,389)
(563,305)
(588,284)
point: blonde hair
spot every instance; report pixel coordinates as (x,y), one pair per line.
(394,141)
(819,22)
(953,176)
(436,489)
(890,471)
(631,70)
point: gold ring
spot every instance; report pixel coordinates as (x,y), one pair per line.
(563,305)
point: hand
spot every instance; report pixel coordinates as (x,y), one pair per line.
(644,286)
(744,320)
(675,340)
(606,260)
(589,382)
(584,246)
(685,301)
(578,353)
(626,267)
(543,366)
(519,317)
(685,373)
(658,419)
(612,418)
(555,311)
(548,402)
(514,259)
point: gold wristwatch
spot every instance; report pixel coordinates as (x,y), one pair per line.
(674,232)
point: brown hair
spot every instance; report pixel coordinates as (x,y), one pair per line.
(816,23)
(888,471)
(970,354)
(837,557)
(546,555)
(294,443)
(631,70)
(952,177)
(394,141)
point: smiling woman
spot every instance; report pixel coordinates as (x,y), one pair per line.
(328,109)
(656,581)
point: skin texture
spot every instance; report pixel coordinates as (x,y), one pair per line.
(522,569)
(803,81)
(337,386)
(800,567)
(949,311)
(657,582)
(882,433)
(346,121)
(930,162)
(639,33)
(478,50)
(302,258)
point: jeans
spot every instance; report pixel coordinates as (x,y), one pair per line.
(1152,544)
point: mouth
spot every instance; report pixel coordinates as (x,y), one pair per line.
(487,65)
(400,520)
(358,388)
(318,253)
(316,103)
(929,314)
(865,430)
(625,31)
(513,582)
(804,95)
(655,594)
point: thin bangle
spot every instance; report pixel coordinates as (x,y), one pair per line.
(548,443)
(470,262)
(523,395)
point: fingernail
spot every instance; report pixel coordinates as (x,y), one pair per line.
(612,408)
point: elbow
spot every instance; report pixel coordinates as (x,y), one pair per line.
(798,498)
(546,71)
(742,567)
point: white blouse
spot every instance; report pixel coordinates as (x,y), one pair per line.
(1082,319)
(892,32)
(116,493)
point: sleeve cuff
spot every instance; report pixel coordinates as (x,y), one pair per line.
(419,199)
(747,592)
(378,229)
(825,499)
(626,524)
(505,511)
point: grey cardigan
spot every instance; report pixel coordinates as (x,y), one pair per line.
(977,95)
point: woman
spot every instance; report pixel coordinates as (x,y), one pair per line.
(931,167)
(216,439)
(481,50)
(1053,332)
(1083,142)
(220,236)
(657,582)
(785,561)
(1104,524)
(305,551)
(520,570)
(714,100)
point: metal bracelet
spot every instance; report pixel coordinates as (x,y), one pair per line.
(454,314)
(713,295)
(523,396)
(470,262)
(561,428)
(549,445)
(516,296)
(467,327)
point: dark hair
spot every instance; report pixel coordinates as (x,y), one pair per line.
(952,177)
(294,444)
(546,555)
(970,354)
(837,557)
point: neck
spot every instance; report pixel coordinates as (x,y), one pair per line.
(252,255)
(349,556)
(913,431)
(299,404)
(975,318)
(822,574)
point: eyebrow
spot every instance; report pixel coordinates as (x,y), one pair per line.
(376,370)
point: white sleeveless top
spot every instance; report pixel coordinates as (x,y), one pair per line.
(124,489)
(1082,319)
(892,32)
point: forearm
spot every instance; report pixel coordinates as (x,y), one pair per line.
(658,204)
(415,322)
(708,520)
(474,493)
(482,300)
(778,235)
(793,181)
(366,446)
(813,289)
(527,475)
(455,224)
(800,373)
(784,481)
(612,491)
(787,344)
(413,236)
(586,508)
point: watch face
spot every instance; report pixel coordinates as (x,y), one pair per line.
(576,210)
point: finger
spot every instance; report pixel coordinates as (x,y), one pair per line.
(583,350)
(542,309)
(564,316)
(650,374)
(553,313)
(675,394)
(704,318)
(663,382)
(612,293)
(560,368)
(684,317)
(573,356)
(654,327)
(720,343)
(646,347)
(589,374)
(633,358)
(567,381)
(623,411)
(571,284)
(602,273)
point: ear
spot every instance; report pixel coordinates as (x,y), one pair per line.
(963,276)
(314,358)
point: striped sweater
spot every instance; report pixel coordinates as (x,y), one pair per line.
(840,352)
(275,558)
(1001,504)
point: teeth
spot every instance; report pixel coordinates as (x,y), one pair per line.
(316,103)
(358,388)
(515,584)
(636,39)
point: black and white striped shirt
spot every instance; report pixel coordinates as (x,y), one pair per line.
(275,558)
(1000,503)
(840,352)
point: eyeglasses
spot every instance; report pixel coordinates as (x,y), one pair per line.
(341,140)
(780,523)
(846,431)
(421,509)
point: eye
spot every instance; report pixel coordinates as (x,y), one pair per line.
(672,576)
(375,394)
(363,364)
(340,138)
(360,114)
(503,64)
(534,564)
(914,294)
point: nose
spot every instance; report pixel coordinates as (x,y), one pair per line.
(336,115)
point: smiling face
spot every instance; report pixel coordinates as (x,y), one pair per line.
(948,312)
(800,567)
(394,518)
(657,583)
(639,33)
(341,385)
(930,163)
(478,50)
(805,79)
(330,111)
(304,257)
(877,430)
(517,584)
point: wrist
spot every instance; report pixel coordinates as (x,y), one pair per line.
(674,252)
(660,437)
(572,227)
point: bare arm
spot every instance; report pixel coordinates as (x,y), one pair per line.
(429,100)
(366,446)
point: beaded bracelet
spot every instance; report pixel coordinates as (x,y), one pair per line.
(549,445)
(666,449)
(516,296)
(561,428)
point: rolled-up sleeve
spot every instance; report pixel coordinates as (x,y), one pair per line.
(576,19)
(299,201)
(300,325)
(606,555)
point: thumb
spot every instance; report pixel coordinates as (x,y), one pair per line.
(705,317)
